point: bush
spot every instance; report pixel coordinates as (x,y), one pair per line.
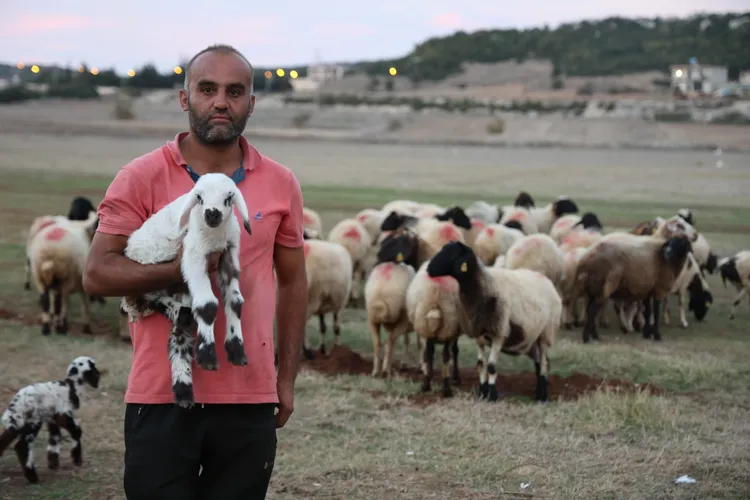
(673,116)
(17,93)
(496,126)
(73,90)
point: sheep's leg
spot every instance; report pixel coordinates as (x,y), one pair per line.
(454,365)
(69,424)
(681,299)
(53,445)
(408,358)
(482,369)
(665,310)
(205,307)
(322,321)
(655,329)
(492,393)
(62,301)
(541,364)
(27,269)
(229,281)
(589,329)
(181,357)
(648,318)
(86,313)
(447,370)
(399,329)
(25,453)
(45,305)
(428,357)
(737,301)
(336,328)
(356,290)
(375,332)
(639,316)
(602,317)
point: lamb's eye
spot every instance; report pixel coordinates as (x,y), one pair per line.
(228,200)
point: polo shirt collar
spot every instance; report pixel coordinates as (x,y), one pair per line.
(250,158)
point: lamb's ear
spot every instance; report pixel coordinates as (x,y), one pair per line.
(190,203)
(239,202)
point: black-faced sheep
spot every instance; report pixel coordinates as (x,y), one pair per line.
(52,404)
(432,233)
(736,270)
(514,311)
(202,221)
(329,283)
(630,268)
(385,297)
(690,282)
(545,217)
(575,223)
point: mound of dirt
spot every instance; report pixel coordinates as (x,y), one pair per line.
(342,360)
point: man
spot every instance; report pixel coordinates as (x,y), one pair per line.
(231,431)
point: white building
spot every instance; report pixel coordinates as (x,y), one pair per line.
(325,72)
(745,78)
(698,78)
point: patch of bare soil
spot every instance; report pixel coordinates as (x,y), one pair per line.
(99,326)
(341,360)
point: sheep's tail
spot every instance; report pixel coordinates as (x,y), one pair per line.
(378,310)
(6,438)
(428,319)
(50,275)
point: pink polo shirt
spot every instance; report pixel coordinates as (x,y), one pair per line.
(274,202)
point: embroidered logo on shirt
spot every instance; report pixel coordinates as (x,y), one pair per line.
(258,216)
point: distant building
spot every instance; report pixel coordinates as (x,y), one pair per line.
(325,72)
(697,78)
(745,77)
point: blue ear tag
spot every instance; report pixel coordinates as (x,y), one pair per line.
(237,176)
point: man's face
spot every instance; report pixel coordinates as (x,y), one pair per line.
(219,102)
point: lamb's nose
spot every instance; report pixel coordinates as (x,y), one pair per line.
(213,217)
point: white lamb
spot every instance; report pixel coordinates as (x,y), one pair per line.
(203,222)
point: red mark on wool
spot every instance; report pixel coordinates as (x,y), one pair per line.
(46,223)
(444,281)
(353,233)
(386,269)
(55,234)
(517,216)
(362,217)
(490,232)
(307,249)
(307,218)
(477,223)
(450,233)
(517,250)
(570,238)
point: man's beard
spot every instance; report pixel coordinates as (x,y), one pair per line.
(216,134)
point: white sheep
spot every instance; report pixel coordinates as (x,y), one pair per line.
(516,311)
(545,217)
(202,221)
(311,220)
(408,207)
(52,404)
(432,307)
(329,283)
(371,220)
(690,282)
(481,210)
(494,241)
(537,252)
(57,258)
(519,218)
(736,270)
(353,236)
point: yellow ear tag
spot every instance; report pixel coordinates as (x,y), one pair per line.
(399,257)
(708,304)
(464,267)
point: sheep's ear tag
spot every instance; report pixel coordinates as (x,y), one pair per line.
(399,257)
(708,304)
(464,267)
(451,220)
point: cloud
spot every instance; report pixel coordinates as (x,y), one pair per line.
(450,20)
(341,28)
(26,25)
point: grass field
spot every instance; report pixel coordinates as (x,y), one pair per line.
(355,437)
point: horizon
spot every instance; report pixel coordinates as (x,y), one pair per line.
(48,34)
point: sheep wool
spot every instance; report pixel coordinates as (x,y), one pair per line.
(537,252)
(353,236)
(495,240)
(311,220)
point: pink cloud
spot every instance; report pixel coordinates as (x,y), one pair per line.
(338,28)
(33,24)
(450,20)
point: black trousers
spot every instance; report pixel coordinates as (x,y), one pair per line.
(165,447)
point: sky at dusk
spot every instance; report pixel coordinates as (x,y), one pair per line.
(126,35)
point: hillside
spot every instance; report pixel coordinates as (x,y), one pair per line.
(612,46)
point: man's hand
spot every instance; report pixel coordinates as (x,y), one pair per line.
(285,391)
(212,265)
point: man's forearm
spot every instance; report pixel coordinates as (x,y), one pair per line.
(291,316)
(117,276)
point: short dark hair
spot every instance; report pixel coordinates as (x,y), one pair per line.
(223,48)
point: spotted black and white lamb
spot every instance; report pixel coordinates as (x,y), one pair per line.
(203,222)
(52,404)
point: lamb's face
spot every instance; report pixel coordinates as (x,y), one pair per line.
(564,206)
(83,369)
(399,248)
(454,259)
(456,216)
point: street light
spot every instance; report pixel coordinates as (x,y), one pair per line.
(81,69)
(293,74)
(131,73)
(94,71)
(268,75)
(280,72)
(35,69)
(177,70)
(392,71)
(20,65)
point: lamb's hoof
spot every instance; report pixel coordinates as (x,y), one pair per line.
(206,356)
(183,395)
(684,325)
(235,351)
(53,460)
(77,455)
(87,329)
(492,394)
(31,475)
(447,392)
(46,330)
(483,390)
(426,385)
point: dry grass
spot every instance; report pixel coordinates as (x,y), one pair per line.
(344,443)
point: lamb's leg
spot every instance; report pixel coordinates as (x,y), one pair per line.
(355,292)
(229,282)
(205,307)
(181,358)
(27,269)
(62,300)
(86,313)
(69,424)
(375,332)
(681,299)
(53,445)
(322,322)
(44,303)
(492,394)
(428,357)
(25,453)
(447,370)
(454,365)
(589,329)
(482,369)
(648,318)
(737,301)
(336,328)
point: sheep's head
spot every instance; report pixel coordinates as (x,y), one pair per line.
(687,215)
(525,200)
(700,298)
(457,216)
(514,224)
(563,206)
(676,225)
(455,259)
(83,369)
(676,248)
(401,247)
(215,195)
(80,208)
(589,220)
(395,220)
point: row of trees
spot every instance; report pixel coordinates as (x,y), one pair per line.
(609,46)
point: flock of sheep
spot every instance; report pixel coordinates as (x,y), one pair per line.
(505,276)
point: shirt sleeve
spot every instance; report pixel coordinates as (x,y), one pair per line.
(291,229)
(122,210)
